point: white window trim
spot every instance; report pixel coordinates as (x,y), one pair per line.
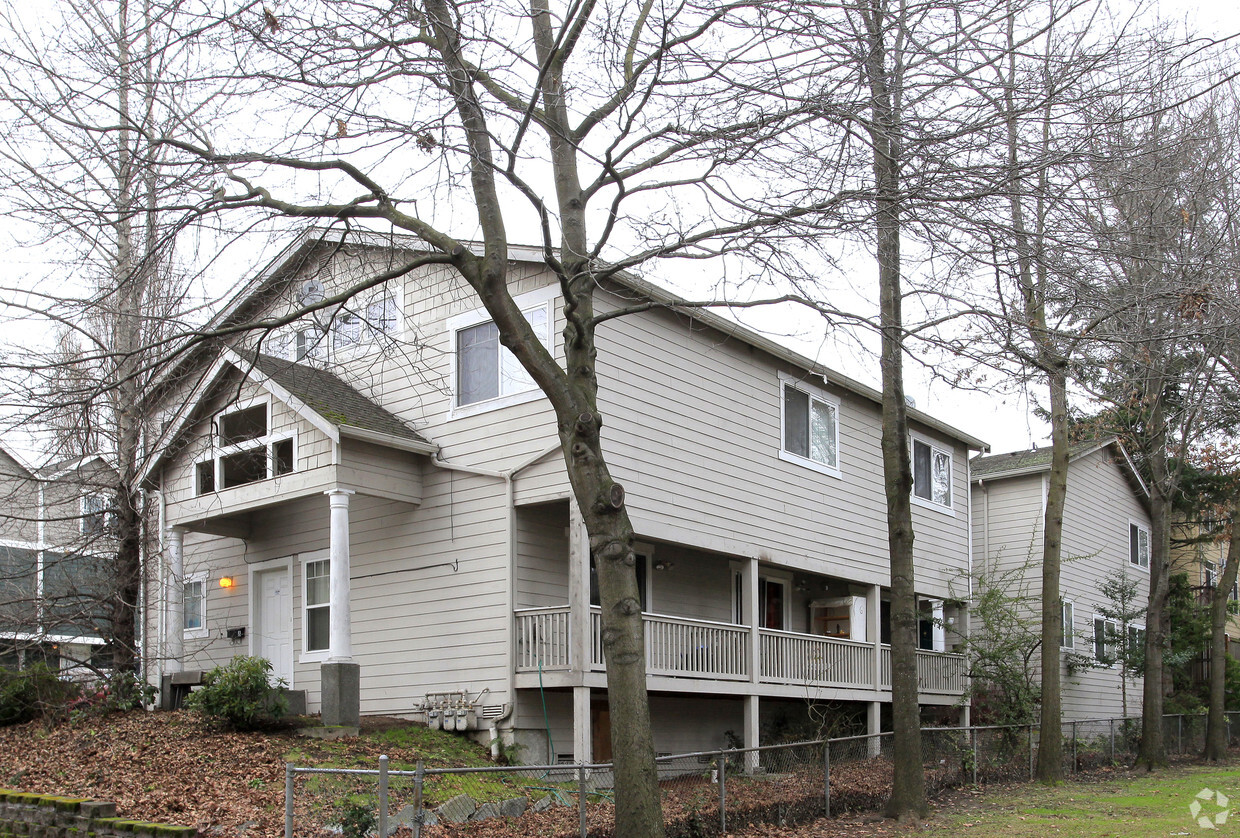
(815,394)
(1149,542)
(216,453)
(203,631)
(308,655)
(282,563)
(107,512)
(951,475)
(524,302)
(370,338)
(1068,611)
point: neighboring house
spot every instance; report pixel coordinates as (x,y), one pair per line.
(1199,550)
(1106,530)
(390,495)
(54,552)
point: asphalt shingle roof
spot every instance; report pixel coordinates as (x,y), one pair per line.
(1023,460)
(332,399)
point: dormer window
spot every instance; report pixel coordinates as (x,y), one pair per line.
(245,451)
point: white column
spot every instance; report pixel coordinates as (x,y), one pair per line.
(583,735)
(174,645)
(578,591)
(340,638)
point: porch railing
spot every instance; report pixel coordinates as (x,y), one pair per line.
(680,646)
(689,648)
(543,637)
(937,672)
(792,658)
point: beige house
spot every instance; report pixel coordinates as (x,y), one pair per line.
(55,544)
(1106,530)
(379,494)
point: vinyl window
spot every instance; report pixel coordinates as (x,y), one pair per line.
(318,605)
(811,427)
(194,606)
(932,473)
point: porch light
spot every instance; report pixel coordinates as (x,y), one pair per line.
(227,582)
(663,565)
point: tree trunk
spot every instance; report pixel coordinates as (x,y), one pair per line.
(1050,743)
(1216,720)
(1153,750)
(908,790)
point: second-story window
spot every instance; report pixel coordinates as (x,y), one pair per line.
(810,433)
(932,473)
(1138,546)
(485,369)
(245,450)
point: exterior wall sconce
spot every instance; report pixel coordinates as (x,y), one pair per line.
(227,582)
(662,565)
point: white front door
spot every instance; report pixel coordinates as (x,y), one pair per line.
(273,625)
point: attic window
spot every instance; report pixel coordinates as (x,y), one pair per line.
(246,451)
(243,425)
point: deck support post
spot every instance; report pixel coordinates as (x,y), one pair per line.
(752,706)
(873,727)
(583,733)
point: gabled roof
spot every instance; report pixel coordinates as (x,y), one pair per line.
(320,397)
(335,401)
(1038,460)
(303,249)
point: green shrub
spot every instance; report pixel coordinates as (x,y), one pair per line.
(32,693)
(357,817)
(240,694)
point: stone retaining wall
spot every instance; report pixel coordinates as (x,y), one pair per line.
(48,816)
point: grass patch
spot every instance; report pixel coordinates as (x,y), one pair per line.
(1128,806)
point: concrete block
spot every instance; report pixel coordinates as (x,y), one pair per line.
(341,694)
(485,812)
(457,810)
(513,807)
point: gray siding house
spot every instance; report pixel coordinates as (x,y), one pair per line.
(380,484)
(1106,530)
(55,547)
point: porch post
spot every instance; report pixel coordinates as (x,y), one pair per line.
(583,735)
(874,629)
(578,591)
(964,630)
(341,687)
(938,629)
(750,614)
(340,637)
(174,645)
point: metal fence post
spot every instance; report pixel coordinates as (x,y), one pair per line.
(383,795)
(826,775)
(1179,732)
(1074,768)
(722,774)
(973,742)
(288,800)
(581,796)
(1030,752)
(1112,740)
(419,774)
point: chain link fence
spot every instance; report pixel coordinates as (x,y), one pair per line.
(704,793)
